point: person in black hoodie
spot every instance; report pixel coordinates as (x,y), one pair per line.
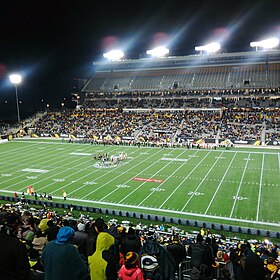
(130,242)
(13,254)
(177,250)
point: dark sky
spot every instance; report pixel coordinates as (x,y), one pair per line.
(52,42)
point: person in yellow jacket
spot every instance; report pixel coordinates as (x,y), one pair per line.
(103,264)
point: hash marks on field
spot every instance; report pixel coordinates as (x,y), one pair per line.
(166,179)
(35,158)
(221,182)
(239,187)
(197,188)
(183,180)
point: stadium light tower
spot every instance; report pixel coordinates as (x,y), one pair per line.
(266,44)
(158,52)
(114,55)
(16,79)
(209,48)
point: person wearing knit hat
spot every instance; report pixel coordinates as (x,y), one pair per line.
(131,257)
(61,259)
(130,270)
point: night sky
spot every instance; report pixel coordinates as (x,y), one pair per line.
(52,42)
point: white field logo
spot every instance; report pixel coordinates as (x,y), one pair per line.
(239,198)
(157,190)
(122,186)
(195,193)
(90,183)
(59,180)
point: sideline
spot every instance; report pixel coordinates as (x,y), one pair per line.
(98,203)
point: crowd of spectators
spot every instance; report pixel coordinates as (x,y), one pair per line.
(257,92)
(153,126)
(42,244)
(183,102)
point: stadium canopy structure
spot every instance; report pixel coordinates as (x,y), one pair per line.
(158,52)
(209,48)
(266,44)
(114,55)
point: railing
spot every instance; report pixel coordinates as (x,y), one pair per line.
(185,269)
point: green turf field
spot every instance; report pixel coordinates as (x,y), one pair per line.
(237,186)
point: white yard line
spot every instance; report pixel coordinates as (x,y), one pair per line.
(260,190)
(279,162)
(106,174)
(72,174)
(119,176)
(221,181)
(182,182)
(166,179)
(142,183)
(45,167)
(15,160)
(239,187)
(197,188)
(33,164)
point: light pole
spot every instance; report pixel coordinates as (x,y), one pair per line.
(16,79)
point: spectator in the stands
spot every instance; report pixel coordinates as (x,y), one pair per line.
(52,230)
(39,241)
(61,259)
(155,260)
(197,252)
(177,250)
(130,242)
(80,239)
(130,270)
(253,265)
(103,263)
(14,264)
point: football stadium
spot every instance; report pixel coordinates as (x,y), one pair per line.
(192,137)
(190,140)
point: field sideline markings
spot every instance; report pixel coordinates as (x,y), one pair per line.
(65,159)
(14,160)
(183,181)
(56,142)
(32,157)
(260,190)
(239,187)
(51,159)
(221,181)
(15,150)
(118,177)
(197,188)
(98,203)
(166,178)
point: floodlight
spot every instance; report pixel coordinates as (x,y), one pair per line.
(158,52)
(114,55)
(209,48)
(266,44)
(16,79)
